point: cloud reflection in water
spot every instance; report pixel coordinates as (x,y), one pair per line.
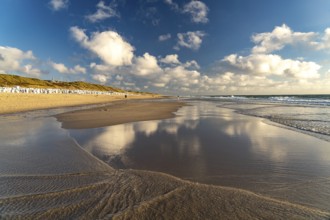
(215,145)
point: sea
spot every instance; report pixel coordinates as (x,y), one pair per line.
(307,113)
(219,155)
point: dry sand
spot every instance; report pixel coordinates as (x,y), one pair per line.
(119,113)
(11,102)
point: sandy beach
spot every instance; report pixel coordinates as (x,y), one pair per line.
(119,113)
(74,184)
(11,102)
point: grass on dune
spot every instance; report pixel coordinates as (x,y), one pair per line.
(7,80)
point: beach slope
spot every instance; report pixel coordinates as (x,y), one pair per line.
(19,102)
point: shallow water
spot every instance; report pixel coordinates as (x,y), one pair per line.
(45,174)
(217,146)
(312,119)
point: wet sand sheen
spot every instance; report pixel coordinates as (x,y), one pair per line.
(117,194)
(119,113)
(132,194)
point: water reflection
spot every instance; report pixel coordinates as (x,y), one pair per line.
(217,146)
(38,146)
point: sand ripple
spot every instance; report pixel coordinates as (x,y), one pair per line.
(132,194)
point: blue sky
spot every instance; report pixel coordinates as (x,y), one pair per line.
(171,46)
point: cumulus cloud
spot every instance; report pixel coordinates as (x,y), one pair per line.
(103,12)
(279,38)
(30,70)
(324,43)
(171,59)
(146,65)
(109,46)
(101,78)
(15,60)
(190,39)
(180,78)
(57,5)
(259,72)
(164,37)
(13,57)
(192,64)
(269,64)
(198,11)
(101,67)
(61,68)
(262,72)
(232,83)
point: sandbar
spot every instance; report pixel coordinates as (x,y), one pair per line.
(119,113)
(19,102)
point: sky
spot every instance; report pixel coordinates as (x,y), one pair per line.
(187,47)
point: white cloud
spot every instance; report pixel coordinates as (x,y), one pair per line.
(61,68)
(101,67)
(279,38)
(192,64)
(324,43)
(260,72)
(146,65)
(170,59)
(109,46)
(269,64)
(191,40)
(11,58)
(231,82)
(103,12)
(100,78)
(57,5)
(283,35)
(173,5)
(234,83)
(164,37)
(198,11)
(79,69)
(30,70)
(179,77)
(15,60)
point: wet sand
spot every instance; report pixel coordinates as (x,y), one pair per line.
(119,113)
(11,102)
(45,175)
(132,194)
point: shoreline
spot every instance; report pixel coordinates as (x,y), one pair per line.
(16,103)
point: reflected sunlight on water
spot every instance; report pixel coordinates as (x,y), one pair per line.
(214,145)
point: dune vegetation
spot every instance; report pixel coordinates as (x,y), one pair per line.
(7,80)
